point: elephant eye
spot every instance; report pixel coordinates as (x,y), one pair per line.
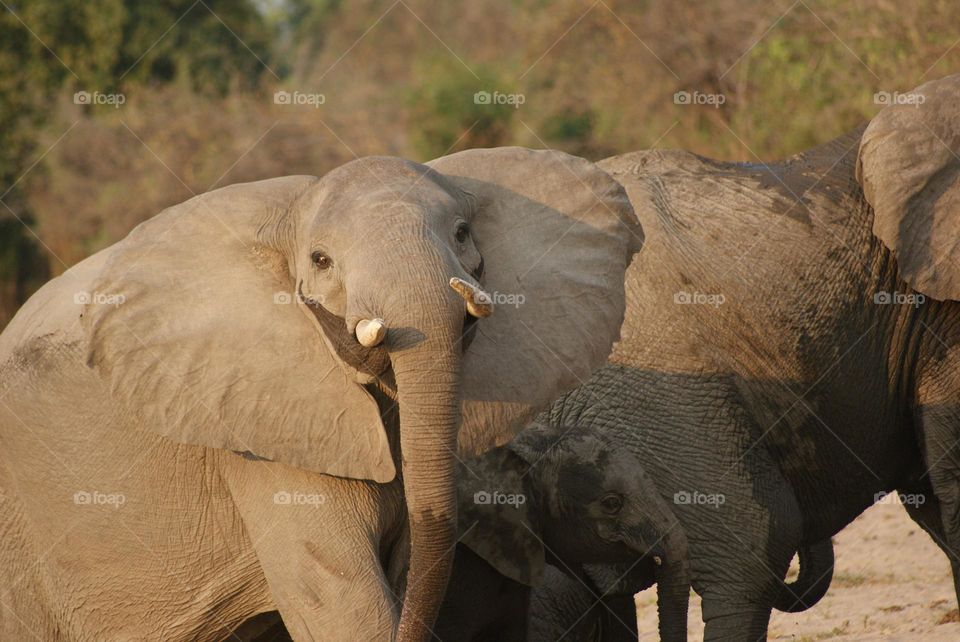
(612,503)
(462,234)
(321,260)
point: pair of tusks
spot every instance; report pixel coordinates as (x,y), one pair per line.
(371,332)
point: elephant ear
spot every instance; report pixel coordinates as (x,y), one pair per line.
(497,515)
(909,168)
(194,327)
(556,234)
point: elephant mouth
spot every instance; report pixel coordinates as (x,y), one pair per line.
(469,331)
(370,361)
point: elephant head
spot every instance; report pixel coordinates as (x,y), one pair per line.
(566,495)
(909,168)
(256,318)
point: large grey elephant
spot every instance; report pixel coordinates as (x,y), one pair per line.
(252,402)
(546,568)
(802,319)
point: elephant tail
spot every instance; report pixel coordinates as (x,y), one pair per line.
(816,571)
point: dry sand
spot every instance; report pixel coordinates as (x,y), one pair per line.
(891,582)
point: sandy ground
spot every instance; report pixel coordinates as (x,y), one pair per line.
(891,582)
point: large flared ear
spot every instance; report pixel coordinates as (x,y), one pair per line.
(556,234)
(194,325)
(498,517)
(909,167)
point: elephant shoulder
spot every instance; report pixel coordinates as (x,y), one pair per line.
(627,167)
(827,171)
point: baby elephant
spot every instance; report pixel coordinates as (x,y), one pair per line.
(564,498)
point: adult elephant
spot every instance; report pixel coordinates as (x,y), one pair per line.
(802,319)
(252,402)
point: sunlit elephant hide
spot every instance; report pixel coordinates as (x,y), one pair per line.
(253,402)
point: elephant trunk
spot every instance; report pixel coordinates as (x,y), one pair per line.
(426,358)
(659,535)
(673,585)
(816,572)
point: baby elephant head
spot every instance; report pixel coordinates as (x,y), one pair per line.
(567,496)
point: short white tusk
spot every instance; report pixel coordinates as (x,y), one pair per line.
(479,303)
(370,332)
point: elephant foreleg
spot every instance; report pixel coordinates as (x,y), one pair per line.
(317,539)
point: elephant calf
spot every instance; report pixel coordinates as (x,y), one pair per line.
(566,499)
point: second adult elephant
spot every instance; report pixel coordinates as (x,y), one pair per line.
(803,317)
(252,402)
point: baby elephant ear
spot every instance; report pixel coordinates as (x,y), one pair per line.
(193,325)
(909,167)
(497,515)
(556,234)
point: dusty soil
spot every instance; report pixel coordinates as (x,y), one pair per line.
(891,582)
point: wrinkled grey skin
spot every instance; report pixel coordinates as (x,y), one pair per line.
(192,435)
(584,502)
(594,608)
(819,380)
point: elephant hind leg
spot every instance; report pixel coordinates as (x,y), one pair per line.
(939,514)
(928,515)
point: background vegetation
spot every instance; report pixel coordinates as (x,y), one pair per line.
(597,77)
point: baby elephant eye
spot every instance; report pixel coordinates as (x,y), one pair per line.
(463,233)
(321,260)
(612,503)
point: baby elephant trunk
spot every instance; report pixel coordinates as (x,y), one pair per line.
(673,584)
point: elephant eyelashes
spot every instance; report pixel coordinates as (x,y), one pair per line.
(321,260)
(611,504)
